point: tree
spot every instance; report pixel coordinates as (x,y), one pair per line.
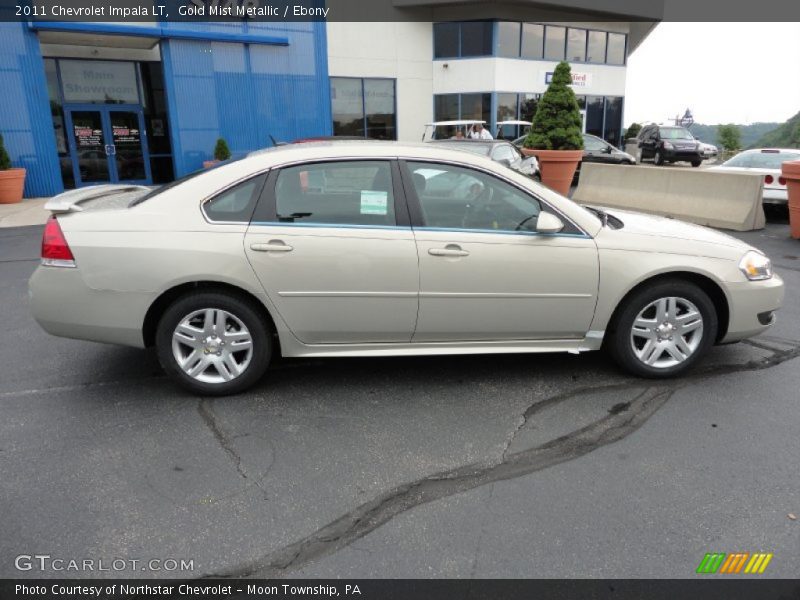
(632,131)
(5,161)
(729,137)
(221,150)
(557,124)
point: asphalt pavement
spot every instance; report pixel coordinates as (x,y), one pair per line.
(472,466)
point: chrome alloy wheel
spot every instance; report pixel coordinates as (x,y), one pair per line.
(212,345)
(667,332)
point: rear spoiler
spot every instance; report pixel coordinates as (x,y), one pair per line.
(70,201)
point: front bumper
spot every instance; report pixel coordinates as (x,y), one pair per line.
(750,303)
(678,155)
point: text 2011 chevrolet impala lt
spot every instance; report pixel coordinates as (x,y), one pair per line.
(378,249)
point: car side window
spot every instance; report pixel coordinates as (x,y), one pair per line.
(593,144)
(336,193)
(236,204)
(453,197)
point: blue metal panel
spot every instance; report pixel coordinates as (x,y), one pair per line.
(245,93)
(25,120)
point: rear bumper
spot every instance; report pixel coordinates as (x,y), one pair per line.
(751,303)
(65,306)
(775,196)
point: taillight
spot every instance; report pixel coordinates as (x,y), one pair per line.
(782,180)
(768,179)
(55,249)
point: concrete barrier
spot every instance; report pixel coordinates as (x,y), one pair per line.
(724,200)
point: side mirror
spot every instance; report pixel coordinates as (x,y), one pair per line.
(548,223)
(607,149)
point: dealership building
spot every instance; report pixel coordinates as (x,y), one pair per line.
(97,102)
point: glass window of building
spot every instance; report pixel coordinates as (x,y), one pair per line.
(528,103)
(476,106)
(57,113)
(508,39)
(347,96)
(576,45)
(445,107)
(379,108)
(507,111)
(446,40)
(476,38)
(364,107)
(594,115)
(596,47)
(613,122)
(532,40)
(616,49)
(554,40)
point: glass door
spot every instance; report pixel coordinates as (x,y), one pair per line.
(107,144)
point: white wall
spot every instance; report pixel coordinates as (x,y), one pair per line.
(401,51)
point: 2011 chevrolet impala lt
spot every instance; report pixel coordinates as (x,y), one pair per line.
(378,249)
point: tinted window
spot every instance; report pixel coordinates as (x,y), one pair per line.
(235,204)
(379,109)
(554,40)
(576,45)
(445,40)
(594,115)
(457,198)
(508,38)
(532,40)
(616,49)
(347,106)
(596,49)
(613,132)
(341,193)
(528,103)
(476,38)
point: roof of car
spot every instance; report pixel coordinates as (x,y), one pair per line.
(467,141)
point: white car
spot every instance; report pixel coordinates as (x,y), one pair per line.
(766,162)
(709,151)
(385,249)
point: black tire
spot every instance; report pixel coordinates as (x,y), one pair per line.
(618,339)
(242,309)
(658,158)
(697,163)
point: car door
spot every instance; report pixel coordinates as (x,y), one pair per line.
(594,150)
(331,244)
(647,142)
(485,273)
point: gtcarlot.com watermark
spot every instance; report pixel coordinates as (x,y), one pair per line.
(48,563)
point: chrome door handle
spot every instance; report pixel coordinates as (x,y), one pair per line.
(273,246)
(450,250)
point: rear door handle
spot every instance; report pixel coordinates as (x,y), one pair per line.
(272,246)
(449,250)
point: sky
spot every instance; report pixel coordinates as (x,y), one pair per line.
(724,72)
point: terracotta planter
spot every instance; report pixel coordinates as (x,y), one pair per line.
(791,172)
(207,164)
(12,181)
(557,167)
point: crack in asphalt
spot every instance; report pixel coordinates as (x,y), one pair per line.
(210,419)
(620,421)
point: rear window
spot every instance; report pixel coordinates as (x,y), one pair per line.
(336,193)
(761,160)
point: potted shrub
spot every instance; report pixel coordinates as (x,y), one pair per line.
(555,137)
(221,152)
(12,181)
(791,172)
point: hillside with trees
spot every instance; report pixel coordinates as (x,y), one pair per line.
(783,136)
(750,134)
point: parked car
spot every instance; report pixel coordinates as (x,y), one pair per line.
(668,144)
(499,151)
(381,249)
(767,163)
(709,151)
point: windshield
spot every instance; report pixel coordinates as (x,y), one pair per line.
(474,147)
(675,133)
(761,160)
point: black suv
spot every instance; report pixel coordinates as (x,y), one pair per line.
(666,143)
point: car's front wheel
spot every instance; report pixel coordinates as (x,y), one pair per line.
(663,329)
(213,343)
(697,163)
(658,159)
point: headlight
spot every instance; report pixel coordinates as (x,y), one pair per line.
(755,266)
(667,146)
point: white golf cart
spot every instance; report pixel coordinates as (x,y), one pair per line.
(512,129)
(443,130)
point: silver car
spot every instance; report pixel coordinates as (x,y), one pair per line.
(384,249)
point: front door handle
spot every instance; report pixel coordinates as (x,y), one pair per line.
(272,246)
(449,250)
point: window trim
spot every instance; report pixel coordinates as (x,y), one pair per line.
(266,211)
(418,218)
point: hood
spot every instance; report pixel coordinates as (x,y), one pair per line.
(687,237)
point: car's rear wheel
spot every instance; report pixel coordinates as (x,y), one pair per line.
(658,158)
(213,343)
(663,329)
